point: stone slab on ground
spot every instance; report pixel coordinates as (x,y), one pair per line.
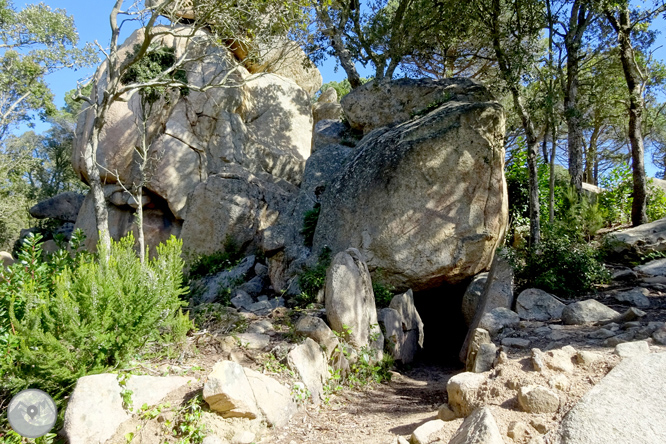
(653,268)
(228,391)
(95,409)
(309,361)
(636,296)
(273,399)
(626,406)
(538,305)
(462,391)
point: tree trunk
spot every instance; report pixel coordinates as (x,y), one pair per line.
(99,202)
(551,183)
(544,144)
(634,78)
(592,163)
(533,177)
(578,21)
(335,36)
(511,76)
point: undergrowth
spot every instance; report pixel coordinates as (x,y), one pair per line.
(207,264)
(313,279)
(560,265)
(310,220)
(64,316)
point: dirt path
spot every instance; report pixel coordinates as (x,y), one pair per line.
(373,416)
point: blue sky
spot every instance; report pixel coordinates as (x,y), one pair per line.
(92,22)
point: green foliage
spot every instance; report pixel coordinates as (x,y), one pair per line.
(207,264)
(616,199)
(310,220)
(561,265)
(578,215)
(313,279)
(63,316)
(154,65)
(517,180)
(656,202)
(187,424)
(342,88)
(34,42)
(35,167)
(125,393)
(383,293)
(365,367)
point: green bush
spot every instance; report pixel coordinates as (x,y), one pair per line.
(560,265)
(207,264)
(383,294)
(310,220)
(579,216)
(313,279)
(63,317)
(616,199)
(656,203)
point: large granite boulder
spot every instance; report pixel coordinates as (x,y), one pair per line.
(638,241)
(378,104)
(64,207)
(627,405)
(260,129)
(425,201)
(234,203)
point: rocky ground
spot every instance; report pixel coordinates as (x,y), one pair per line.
(570,360)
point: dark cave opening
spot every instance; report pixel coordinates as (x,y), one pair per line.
(444,327)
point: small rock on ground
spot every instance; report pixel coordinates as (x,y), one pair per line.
(423,434)
(629,349)
(537,399)
(590,310)
(479,428)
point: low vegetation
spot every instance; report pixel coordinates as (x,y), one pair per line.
(207,264)
(313,279)
(63,316)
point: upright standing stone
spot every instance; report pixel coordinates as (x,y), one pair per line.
(350,301)
(498,293)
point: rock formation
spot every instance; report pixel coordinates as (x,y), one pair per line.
(258,133)
(402,200)
(231,163)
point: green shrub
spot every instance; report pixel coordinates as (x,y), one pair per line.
(313,279)
(207,264)
(656,202)
(616,199)
(64,317)
(365,366)
(579,217)
(310,220)
(560,265)
(383,294)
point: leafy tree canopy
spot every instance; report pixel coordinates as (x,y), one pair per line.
(34,42)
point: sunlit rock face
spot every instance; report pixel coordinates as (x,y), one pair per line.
(261,128)
(425,199)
